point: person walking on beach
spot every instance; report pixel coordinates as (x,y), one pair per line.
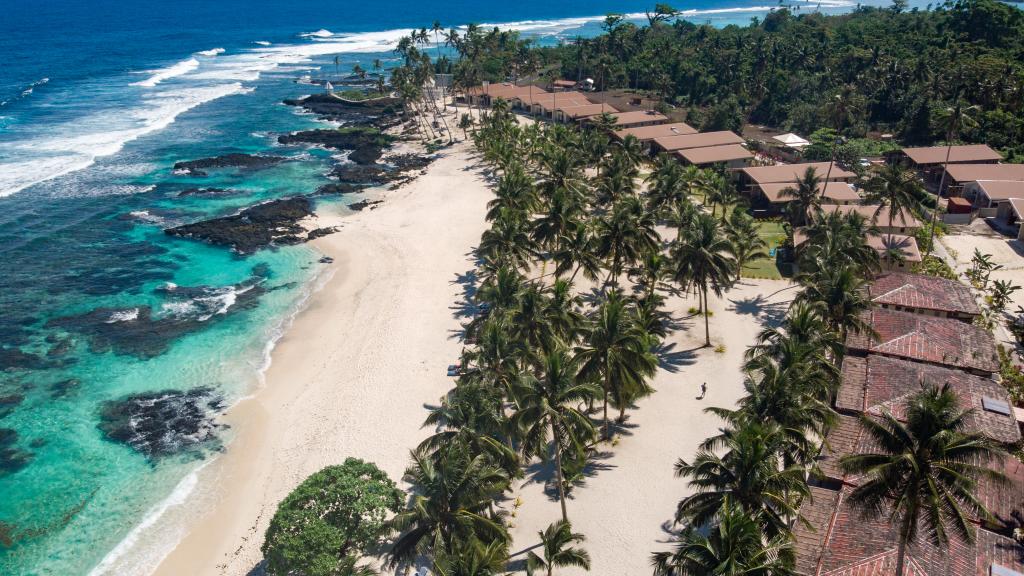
(703,391)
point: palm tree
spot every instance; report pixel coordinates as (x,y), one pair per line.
(745,240)
(472,558)
(733,546)
(926,470)
(898,191)
(507,241)
(473,416)
(614,353)
(557,545)
(840,290)
(548,412)
(624,235)
(576,252)
(451,503)
(748,475)
(702,260)
(805,196)
(954,119)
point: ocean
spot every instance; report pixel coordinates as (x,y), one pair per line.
(98,100)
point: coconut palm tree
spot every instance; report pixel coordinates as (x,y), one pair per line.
(954,119)
(472,558)
(577,252)
(548,415)
(898,192)
(451,503)
(734,545)
(702,260)
(805,197)
(557,546)
(507,241)
(624,235)
(748,474)
(614,352)
(840,290)
(472,415)
(746,244)
(925,471)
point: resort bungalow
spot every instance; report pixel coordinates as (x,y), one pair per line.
(885,244)
(647,134)
(958,176)
(545,107)
(904,223)
(563,85)
(770,196)
(1011,213)
(922,294)
(755,176)
(634,119)
(571,113)
(486,94)
(930,160)
(732,156)
(992,193)
(938,341)
(526,100)
(699,140)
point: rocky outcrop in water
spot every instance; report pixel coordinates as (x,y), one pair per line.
(159,424)
(140,332)
(207,192)
(271,223)
(337,189)
(366,143)
(235,160)
(14,358)
(8,402)
(364,204)
(330,107)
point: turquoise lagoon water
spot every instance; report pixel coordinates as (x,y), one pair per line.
(98,100)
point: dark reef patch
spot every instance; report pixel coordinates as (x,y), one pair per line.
(165,423)
(12,458)
(271,223)
(234,160)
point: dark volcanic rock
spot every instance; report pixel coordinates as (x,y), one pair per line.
(235,160)
(366,142)
(139,332)
(366,175)
(322,232)
(12,458)
(159,424)
(326,260)
(337,189)
(333,108)
(363,204)
(275,222)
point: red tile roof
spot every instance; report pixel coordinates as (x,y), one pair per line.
(877,384)
(942,341)
(841,541)
(923,292)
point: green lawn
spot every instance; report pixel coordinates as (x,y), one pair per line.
(772,233)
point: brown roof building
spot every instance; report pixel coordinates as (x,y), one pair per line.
(699,140)
(991,193)
(924,294)
(841,541)
(635,119)
(934,155)
(647,134)
(831,192)
(758,175)
(957,175)
(904,222)
(940,341)
(573,112)
(732,155)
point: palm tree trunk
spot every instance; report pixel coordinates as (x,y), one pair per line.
(558,469)
(938,194)
(707,330)
(607,387)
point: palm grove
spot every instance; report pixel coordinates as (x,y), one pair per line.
(586,240)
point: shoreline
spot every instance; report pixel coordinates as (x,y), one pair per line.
(340,356)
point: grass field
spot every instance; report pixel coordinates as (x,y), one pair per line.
(772,233)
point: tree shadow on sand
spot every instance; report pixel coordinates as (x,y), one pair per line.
(770,313)
(540,472)
(672,360)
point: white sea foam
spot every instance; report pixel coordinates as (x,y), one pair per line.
(112,562)
(262,43)
(102,134)
(158,76)
(211,52)
(321,33)
(123,316)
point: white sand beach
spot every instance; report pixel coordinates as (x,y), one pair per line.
(353,373)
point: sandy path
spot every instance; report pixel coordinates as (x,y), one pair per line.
(352,375)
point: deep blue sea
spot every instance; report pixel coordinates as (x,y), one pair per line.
(98,99)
